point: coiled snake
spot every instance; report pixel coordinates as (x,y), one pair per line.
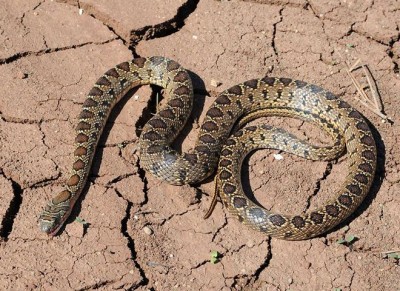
(244,102)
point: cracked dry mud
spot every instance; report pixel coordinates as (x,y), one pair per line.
(51,55)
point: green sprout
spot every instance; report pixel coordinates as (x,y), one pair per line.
(81,220)
(348,240)
(394,256)
(215,256)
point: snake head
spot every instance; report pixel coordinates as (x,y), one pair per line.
(52,219)
(46,226)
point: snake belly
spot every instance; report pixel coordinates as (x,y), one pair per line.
(266,96)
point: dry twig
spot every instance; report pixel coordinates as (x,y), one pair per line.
(390,252)
(374,104)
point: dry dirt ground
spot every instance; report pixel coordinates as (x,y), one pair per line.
(145,234)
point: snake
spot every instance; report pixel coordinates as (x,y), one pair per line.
(223,141)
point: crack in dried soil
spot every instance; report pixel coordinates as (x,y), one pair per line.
(267,260)
(317,187)
(225,223)
(20,55)
(142,175)
(97,285)
(147,32)
(253,278)
(12,211)
(391,54)
(25,28)
(165,28)
(18,120)
(131,244)
(274,31)
(101,18)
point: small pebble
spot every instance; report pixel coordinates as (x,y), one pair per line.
(290,280)
(22,75)
(215,83)
(278,157)
(147,230)
(80,11)
(194,36)
(136,97)
(250,244)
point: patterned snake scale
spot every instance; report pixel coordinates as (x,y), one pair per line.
(239,104)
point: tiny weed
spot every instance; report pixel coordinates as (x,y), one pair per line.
(394,256)
(215,256)
(348,240)
(81,220)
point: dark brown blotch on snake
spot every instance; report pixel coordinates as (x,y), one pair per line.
(345,200)
(103,81)
(124,67)
(298,222)
(223,100)
(229,189)
(78,165)
(82,125)
(81,138)
(62,197)
(332,210)
(277,220)
(95,92)
(316,217)
(354,189)
(239,202)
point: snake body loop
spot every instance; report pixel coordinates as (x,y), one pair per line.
(243,102)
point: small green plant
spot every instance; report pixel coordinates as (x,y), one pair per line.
(215,257)
(81,220)
(348,240)
(394,256)
(337,289)
(350,45)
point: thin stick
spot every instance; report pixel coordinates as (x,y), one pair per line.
(373,88)
(354,66)
(390,252)
(359,88)
(376,111)
(364,99)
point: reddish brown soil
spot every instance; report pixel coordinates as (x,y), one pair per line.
(50,56)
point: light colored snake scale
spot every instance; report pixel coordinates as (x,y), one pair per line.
(244,102)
